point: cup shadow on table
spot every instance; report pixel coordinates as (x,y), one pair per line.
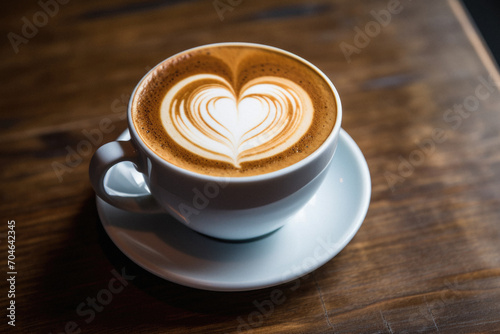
(82,266)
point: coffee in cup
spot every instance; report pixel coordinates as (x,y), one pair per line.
(233,110)
(232,139)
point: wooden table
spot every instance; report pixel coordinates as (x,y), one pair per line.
(419,98)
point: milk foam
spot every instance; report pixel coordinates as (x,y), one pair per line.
(204,114)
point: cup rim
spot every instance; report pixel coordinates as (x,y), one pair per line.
(240,179)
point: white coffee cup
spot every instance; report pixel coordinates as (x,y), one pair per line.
(232,208)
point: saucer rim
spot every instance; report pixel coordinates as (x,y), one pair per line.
(226,286)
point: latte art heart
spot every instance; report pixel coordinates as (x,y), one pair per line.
(205,115)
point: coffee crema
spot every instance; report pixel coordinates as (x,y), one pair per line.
(233,110)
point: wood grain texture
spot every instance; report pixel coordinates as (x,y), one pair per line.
(427,257)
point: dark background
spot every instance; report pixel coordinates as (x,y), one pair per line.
(486,15)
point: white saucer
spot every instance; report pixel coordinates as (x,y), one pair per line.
(170,250)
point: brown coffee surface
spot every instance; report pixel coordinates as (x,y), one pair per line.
(238,65)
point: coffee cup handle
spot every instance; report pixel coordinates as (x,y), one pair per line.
(109,155)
